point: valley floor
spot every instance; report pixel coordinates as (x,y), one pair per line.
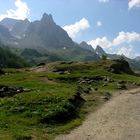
(118,119)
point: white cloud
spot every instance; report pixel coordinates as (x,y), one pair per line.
(133,4)
(77,27)
(128,51)
(103,1)
(99,23)
(122,38)
(121,44)
(21,11)
(126,37)
(103,42)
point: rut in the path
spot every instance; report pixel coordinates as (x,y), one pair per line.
(118,119)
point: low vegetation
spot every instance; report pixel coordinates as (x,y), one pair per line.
(10,60)
(55,97)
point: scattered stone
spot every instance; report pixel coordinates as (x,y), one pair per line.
(122,82)
(71,62)
(64,72)
(6,91)
(121,86)
(18,109)
(24,138)
(41,64)
(90,80)
(63,62)
(92,90)
(105,84)
(26,90)
(107,96)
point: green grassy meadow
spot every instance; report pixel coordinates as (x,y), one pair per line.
(58,100)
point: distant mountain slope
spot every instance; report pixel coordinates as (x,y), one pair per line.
(47,33)
(45,41)
(9,22)
(84,45)
(51,39)
(99,50)
(10,60)
(20,27)
(5,35)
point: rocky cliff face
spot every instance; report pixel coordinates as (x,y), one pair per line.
(49,34)
(20,27)
(5,35)
(99,50)
(84,45)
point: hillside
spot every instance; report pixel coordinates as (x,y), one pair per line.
(45,37)
(51,42)
(10,60)
(43,101)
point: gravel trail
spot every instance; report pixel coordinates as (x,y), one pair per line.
(118,119)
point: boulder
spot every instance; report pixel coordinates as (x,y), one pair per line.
(41,64)
(6,91)
(121,86)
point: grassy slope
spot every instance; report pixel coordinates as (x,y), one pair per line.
(10,60)
(21,115)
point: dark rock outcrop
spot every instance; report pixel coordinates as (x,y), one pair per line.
(120,66)
(84,45)
(99,50)
(6,91)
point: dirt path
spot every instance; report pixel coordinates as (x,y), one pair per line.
(118,119)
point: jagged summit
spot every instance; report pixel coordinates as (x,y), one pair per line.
(99,50)
(47,18)
(9,22)
(84,45)
(26,20)
(46,33)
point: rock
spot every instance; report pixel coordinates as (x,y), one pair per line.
(107,96)
(98,78)
(122,82)
(63,62)
(6,91)
(71,62)
(41,64)
(92,90)
(90,80)
(87,90)
(107,79)
(26,90)
(105,84)
(121,86)
(120,66)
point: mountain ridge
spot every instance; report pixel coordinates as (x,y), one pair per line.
(49,39)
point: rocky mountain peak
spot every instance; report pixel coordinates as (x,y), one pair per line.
(99,50)
(47,18)
(84,45)
(26,20)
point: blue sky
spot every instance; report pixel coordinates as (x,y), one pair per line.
(113,24)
